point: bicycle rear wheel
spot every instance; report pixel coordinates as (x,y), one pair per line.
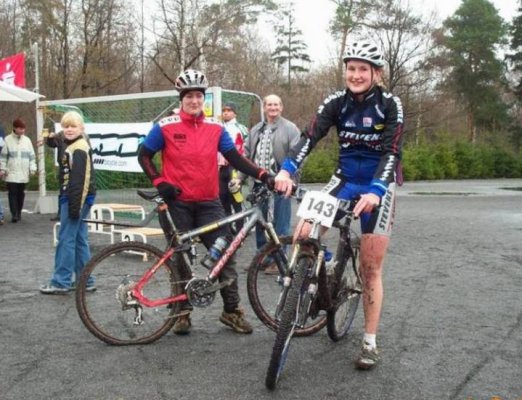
(107,312)
(287,327)
(341,315)
(266,291)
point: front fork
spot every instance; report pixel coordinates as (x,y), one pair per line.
(286,280)
(310,288)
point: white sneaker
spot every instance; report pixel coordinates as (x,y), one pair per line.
(368,358)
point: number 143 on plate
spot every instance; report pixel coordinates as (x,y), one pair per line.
(318,206)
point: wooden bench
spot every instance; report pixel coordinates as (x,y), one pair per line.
(129,234)
(98,211)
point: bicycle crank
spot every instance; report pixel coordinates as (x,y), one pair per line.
(202,292)
(197,293)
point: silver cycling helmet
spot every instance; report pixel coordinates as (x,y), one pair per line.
(364,51)
(191,79)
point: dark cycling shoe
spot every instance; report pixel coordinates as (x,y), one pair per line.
(236,320)
(182,325)
(272,269)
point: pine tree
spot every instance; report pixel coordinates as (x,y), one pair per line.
(291,49)
(473,33)
(516,47)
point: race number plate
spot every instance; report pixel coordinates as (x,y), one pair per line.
(318,206)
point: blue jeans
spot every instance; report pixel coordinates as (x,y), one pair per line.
(72,252)
(1,210)
(282,215)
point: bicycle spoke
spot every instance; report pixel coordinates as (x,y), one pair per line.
(341,316)
(110,312)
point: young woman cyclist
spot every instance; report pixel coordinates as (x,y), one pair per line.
(369,124)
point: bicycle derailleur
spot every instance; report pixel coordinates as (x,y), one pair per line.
(127,302)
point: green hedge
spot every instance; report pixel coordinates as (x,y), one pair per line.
(319,165)
(443,160)
(461,160)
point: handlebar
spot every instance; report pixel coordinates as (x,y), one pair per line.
(259,194)
(150,195)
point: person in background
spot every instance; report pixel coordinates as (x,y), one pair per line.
(369,123)
(229,182)
(268,144)
(2,134)
(17,164)
(77,194)
(188,182)
(57,141)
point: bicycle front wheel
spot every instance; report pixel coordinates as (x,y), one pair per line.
(110,313)
(287,325)
(341,315)
(265,292)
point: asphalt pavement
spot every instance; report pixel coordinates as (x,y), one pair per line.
(450,329)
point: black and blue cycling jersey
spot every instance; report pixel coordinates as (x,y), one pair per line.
(369,137)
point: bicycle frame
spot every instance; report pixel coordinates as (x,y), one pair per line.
(308,288)
(181,240)
(314,247)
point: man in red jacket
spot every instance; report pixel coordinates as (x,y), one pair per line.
(189,144)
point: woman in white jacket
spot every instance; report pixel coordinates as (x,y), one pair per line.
(17,163)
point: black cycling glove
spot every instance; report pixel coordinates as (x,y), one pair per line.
(268,179)
(168,191)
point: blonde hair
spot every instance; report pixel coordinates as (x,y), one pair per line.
(72,118)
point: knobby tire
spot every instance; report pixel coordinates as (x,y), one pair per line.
(341,315)
(102,313)
(285,330)
(264,292)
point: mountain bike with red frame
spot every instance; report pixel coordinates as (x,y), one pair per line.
(137,302)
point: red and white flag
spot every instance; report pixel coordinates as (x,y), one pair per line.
(12,70)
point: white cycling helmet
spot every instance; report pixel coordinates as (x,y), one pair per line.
(364,51)
(191,79)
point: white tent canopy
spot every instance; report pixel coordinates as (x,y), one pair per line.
(13,93)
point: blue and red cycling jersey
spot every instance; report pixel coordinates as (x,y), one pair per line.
(189,146)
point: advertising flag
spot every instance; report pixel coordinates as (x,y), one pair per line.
(12,70)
